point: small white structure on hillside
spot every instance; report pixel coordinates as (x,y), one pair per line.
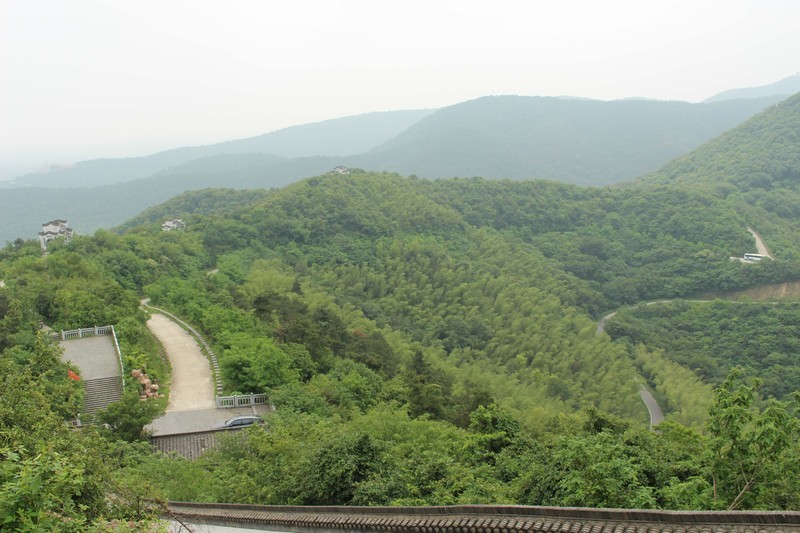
(174,224)
(751,258)
(55,229)
(340,170)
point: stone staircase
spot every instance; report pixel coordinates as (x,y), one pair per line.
(101,392)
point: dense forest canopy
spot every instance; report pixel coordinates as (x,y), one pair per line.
(428,342)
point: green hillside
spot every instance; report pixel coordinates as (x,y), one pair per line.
(711,338)
(755,168)
(417,342)
(753,171)
(759,154)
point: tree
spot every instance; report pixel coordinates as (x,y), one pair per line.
(337,468)
(429,388)
(38,491)
(750,446)
(256,364)
(128,417)
(51,478)
(597,470)
(494,429)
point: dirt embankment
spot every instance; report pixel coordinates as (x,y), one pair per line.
(775,291)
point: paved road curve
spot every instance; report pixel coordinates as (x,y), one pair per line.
(656,415)
(191,405)
(192,386)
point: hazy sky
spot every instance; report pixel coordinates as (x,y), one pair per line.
(89,78)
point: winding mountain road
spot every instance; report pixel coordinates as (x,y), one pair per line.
(601,324)
(656,415)
(192,406)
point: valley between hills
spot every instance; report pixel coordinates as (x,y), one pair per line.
(432,341)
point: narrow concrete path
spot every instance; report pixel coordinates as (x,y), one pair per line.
(191,407)
(760,246)
(601,324)
(192,386)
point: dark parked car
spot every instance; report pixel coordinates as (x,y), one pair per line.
(240,421)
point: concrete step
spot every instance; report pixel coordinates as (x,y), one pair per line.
(99,393)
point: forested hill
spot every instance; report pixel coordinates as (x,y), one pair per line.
(754,167)
(761,154)
(585,142)
(668,235)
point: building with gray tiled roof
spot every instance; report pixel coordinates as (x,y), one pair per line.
(483,519)
(55,229)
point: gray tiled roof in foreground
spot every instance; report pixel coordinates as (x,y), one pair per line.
(488,518)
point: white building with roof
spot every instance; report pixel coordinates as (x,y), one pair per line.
(55,229)
(174,224)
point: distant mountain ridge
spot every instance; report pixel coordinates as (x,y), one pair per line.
(587,142)
(23,210)
(785,87)
(577,141)
(336,137)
